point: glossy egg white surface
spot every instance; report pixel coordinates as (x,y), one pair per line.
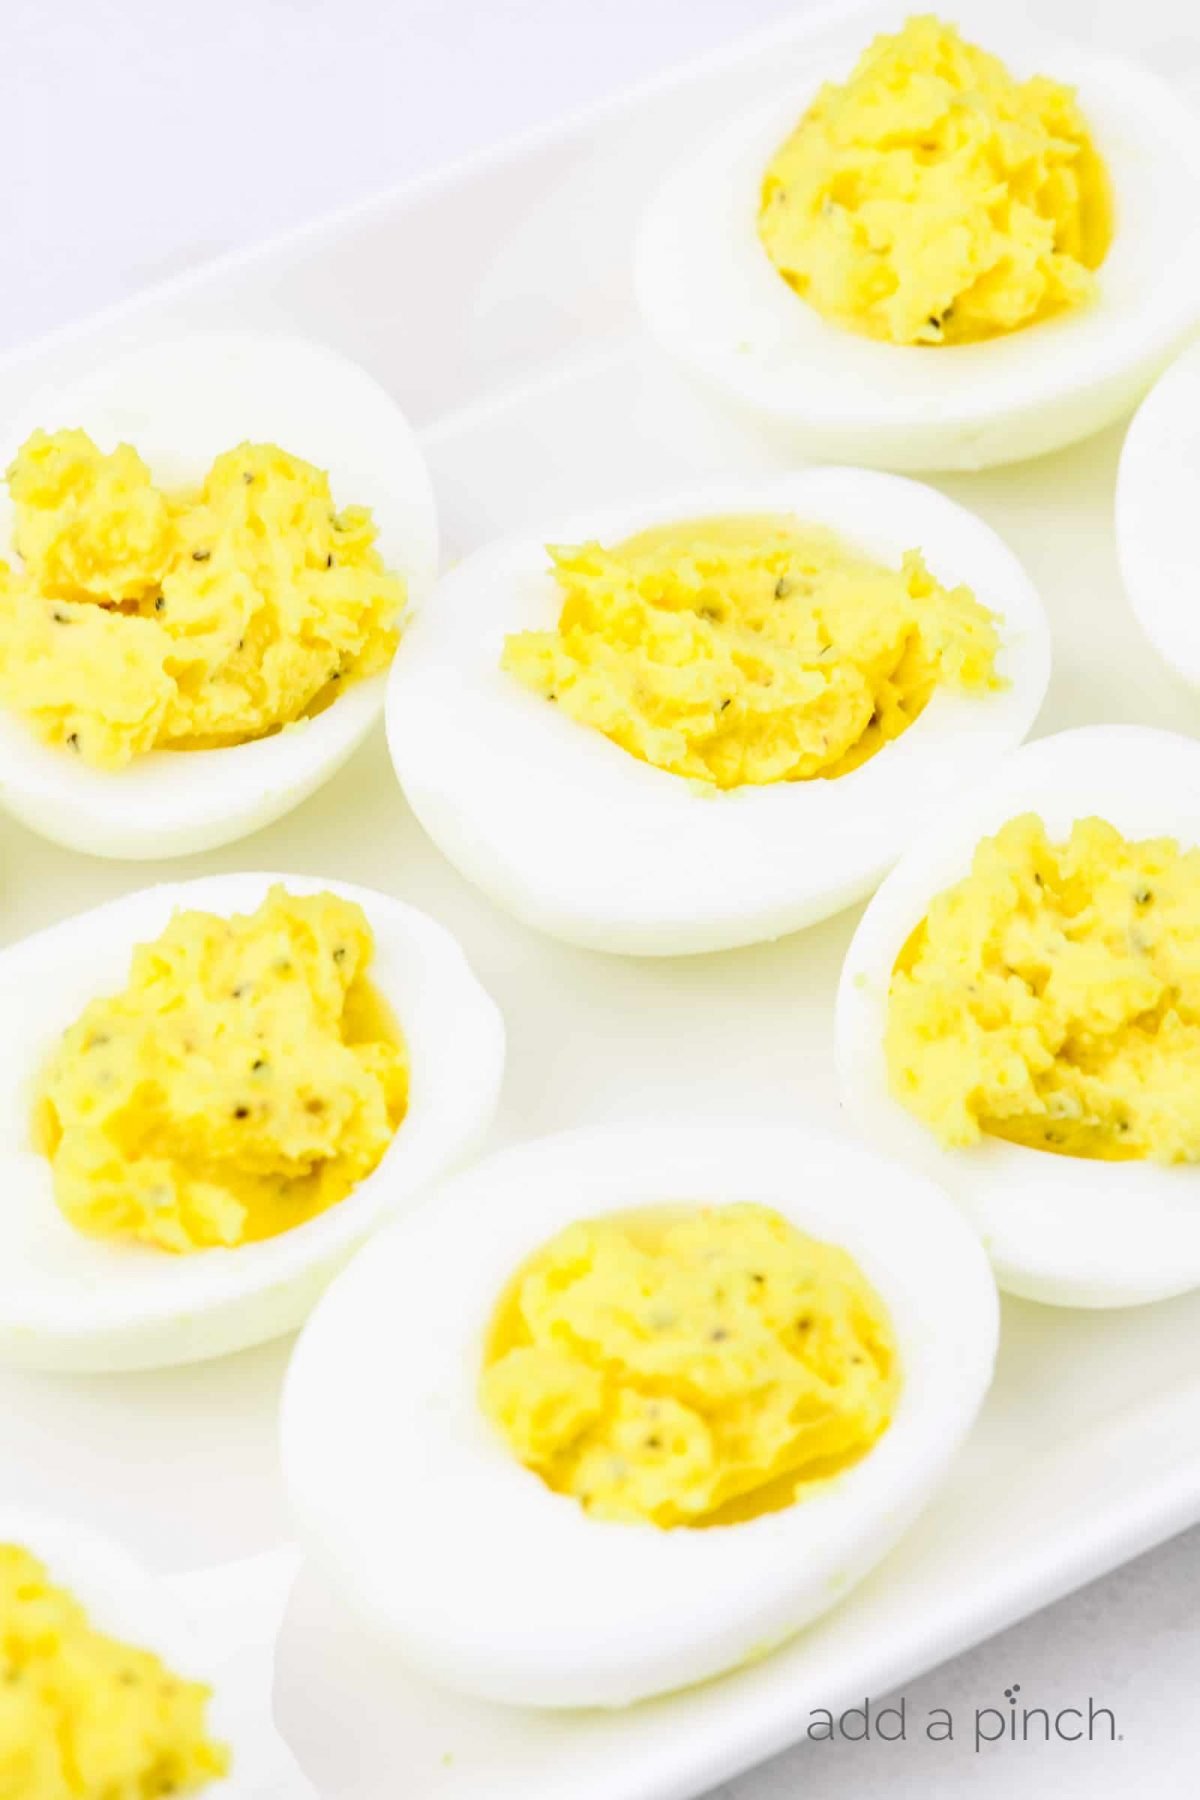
(579,838)
(1070,1231)
(1158,494)
(70,1301)
(714,300)
(489,1581)
(180,403)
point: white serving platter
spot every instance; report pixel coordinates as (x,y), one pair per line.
(495,302)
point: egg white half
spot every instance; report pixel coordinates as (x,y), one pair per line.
(70,1301)
(1067,1230)
(582,840)
(1158,496)
(123,1600)
(181,403)
(714,300)
(498,1586)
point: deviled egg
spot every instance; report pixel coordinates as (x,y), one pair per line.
(938,257)
(108,1688)
(714,718)
(219,1088)
(1017,1016)
(1158,485)
(218,540)
(655,1398)
(90,1708)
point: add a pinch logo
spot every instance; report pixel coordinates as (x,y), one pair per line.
(1012,1722)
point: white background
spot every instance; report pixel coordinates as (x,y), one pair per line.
(144,136)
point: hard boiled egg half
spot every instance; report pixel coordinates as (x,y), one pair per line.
(181,403)
(577,836)
(498,1584)
(1158,485)
(125,1602)
(1069,1229)
(713,299)
(70,1300)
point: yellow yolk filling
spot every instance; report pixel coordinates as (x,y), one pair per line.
(246,1079)
(1053,998)
(689,1366)
(932,199)
(141,620)
(750,650)
(83,1717)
